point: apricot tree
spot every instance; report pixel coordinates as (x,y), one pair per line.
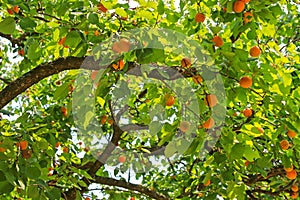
(149,99)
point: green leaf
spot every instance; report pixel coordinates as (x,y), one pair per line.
(250,154)
(93,18)
(170,150)
(61,92)
(32,172)
(73,39)
(160,7)
(53,193)
(237,151)
(121,12)
(33,192)
(8,25)
(6,187)
(155,127)
(27,23)
(33,51)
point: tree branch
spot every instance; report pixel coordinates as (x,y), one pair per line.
(130,186)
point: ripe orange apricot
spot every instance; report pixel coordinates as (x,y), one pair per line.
(255,51)
(209,123)
(184,126)
(186,62)
(284,144)
(245,82)
(197,79)
(248,16)
(10,11)
(87,198)
(21,52)
(102,8)
(16,9)
(295,188)
(170,100)
(122,46)
(122,159)
(292,174)
(260,129)
(294,195)
(94,74)
(65,149)
(218,41)
(247,112)
(96,33)
(238,6)
(57,144)
(211,100)
(64,111)
(22,145)
(26,154)
(1,148)
(132,198)
(62,41)
(247,163)
(199,17)
(103,119)
(207,183)
(288,169)
(119,65)
(291,134)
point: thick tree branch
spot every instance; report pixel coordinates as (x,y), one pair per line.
(42,71)
(130,186)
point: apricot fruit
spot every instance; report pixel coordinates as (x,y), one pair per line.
(294,195)
(2,149)
(62,41)
(22,145)
(245,82)
(65,149)
(247,163)
(57,144)
(199,17)
(170,100)
(197,79)
(21,52)
(291,134)
(26,154)
(218,41)
(119,65)
(10,11)
(122,46)
(284,144)
(247,112)
(255,51)
(238,6)
(292,174)
(210,100)
(248,16)
(94,74)
(16,9)
(288,169)
(209,123)
(260,129)
(122,159)
(207,183)
(184,126)
(103,119)
(186,62)
(295,188)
